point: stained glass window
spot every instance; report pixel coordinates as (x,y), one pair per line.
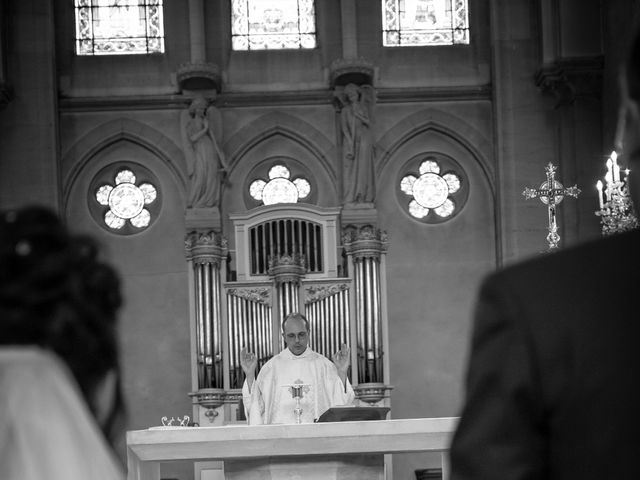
(125,201)
(273,24)
(119,27)
(436,191)
(279,188)
(411,23)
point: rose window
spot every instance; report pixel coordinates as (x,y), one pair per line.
(126,201)
(434,193)
(279,188)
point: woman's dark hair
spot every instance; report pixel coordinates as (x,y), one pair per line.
(57,294)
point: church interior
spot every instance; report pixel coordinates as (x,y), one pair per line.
(364,162)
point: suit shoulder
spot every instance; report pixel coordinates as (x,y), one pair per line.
(578,263)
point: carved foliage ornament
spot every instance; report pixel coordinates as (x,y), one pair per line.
(205,246)
(365,241)
(319,292)
(287,268)
(256,295)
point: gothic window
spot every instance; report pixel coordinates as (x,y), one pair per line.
(123,199)
(273,24)
(413,23)
(119,27)
(279,188)
(433,188)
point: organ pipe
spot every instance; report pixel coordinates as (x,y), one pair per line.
(364,247)
(205,252)
(249,326)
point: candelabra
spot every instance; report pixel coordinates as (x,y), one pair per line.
(616,210)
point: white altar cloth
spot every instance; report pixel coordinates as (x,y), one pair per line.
(147,448)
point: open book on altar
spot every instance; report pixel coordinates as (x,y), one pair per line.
(353,414)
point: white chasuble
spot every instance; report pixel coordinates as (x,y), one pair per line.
(271,399)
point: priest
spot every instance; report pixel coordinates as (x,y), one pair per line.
(296,371)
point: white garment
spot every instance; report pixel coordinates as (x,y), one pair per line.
(270,400)
(46,428)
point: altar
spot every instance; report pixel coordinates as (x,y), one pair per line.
(353,450)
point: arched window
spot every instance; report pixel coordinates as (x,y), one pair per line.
(414,23)
(119,27)
(280,24)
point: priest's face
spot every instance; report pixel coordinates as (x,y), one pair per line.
(296,335)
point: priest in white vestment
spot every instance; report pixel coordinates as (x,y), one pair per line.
(269,399)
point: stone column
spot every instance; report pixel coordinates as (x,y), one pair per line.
(350,68)
(206,253)
(198,74)
(366,248)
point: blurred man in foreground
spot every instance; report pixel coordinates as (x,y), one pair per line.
(553,383)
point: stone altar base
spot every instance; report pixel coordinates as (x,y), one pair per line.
(330,467)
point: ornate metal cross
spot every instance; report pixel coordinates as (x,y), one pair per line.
(551,193)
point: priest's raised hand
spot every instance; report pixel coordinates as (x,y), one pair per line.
(248,362)
(341,360)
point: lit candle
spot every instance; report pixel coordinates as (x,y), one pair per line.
(599,187)
(616,168)
(609,175)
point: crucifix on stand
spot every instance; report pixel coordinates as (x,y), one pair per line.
(551,193)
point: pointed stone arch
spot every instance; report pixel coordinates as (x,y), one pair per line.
(446,124)
(92,143)
(292,129)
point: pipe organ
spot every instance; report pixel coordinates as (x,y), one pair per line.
(285,259)
(250,325)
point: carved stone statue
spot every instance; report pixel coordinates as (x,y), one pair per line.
(357,143)
(206,164)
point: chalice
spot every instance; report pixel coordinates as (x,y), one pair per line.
(297,390)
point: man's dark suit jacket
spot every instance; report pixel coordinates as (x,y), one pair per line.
(553,380)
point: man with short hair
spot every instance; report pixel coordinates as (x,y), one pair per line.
(269,399)
(553,382)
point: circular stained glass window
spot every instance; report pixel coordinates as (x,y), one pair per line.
(430,190)
(125,199)
(279,188)
(433,188)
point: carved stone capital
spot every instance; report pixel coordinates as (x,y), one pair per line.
(199,76)
(571,79)
(364,241)
(206,247)
(287,268)
(351,70)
